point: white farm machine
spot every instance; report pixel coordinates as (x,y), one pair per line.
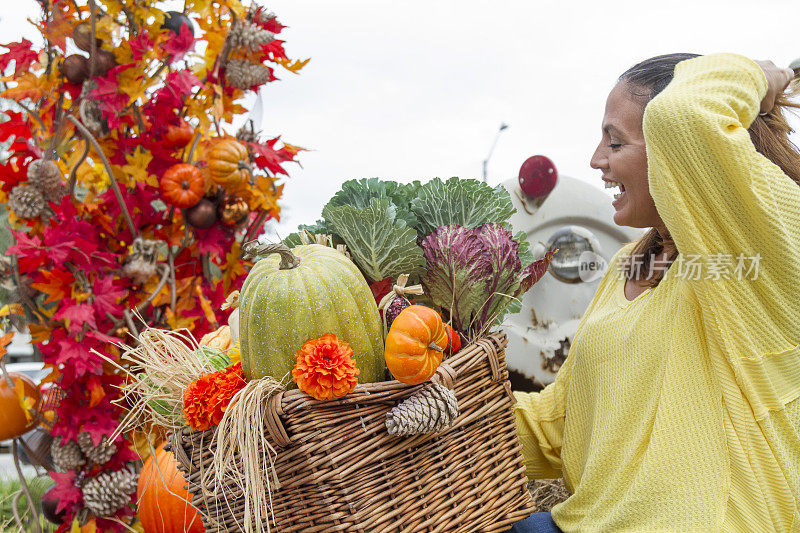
(575,217)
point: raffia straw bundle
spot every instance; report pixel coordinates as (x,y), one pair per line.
(162,366)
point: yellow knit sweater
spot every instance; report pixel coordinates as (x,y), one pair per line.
(680,410)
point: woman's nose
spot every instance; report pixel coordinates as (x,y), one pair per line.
(598,160)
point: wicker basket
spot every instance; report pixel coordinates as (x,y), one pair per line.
(339,470)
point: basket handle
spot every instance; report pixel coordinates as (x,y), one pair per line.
(445,375)
(273,421)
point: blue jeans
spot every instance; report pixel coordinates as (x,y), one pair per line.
(535,523)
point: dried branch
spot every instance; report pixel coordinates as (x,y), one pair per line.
(89,137)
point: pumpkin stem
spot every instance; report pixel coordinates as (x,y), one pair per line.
(434,346)
(255,248)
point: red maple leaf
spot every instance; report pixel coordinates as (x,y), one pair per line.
(214,241)
(110,100)
(17,125)
(30,253)
(65,492)
(140,45)
(106,296)
(21,54)
(77,314)
(178,45)
(181,82)
(268,158)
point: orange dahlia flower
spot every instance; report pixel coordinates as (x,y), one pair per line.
(325,368)
(205,400)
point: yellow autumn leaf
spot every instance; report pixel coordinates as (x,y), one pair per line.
(25,402)
(292,66)
(233,266)
(27,86)
(177,322)
(11,309)
(5,340)
(136,169)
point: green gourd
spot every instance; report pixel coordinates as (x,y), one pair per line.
(291,296)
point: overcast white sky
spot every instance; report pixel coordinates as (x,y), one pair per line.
(413,90)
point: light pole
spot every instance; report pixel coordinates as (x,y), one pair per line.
(503,126)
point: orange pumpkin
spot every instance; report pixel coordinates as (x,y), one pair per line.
(164,503)
(415,344)
(219,339)
(229,164)
(182,185)
(453,339)
(178,136)
(13,422)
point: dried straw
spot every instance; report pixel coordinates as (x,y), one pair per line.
(162,365)
(244,457)
(547,493)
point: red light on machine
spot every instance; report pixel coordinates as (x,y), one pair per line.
(537,177)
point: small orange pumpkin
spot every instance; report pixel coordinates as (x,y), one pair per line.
(219,338)
(178,136)
(229,164)
(182,185)
(415,344)
(164,501)
(453,339)
(13,422)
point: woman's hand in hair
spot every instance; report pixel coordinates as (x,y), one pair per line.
(777,81)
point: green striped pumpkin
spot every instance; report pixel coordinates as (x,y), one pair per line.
(292,296)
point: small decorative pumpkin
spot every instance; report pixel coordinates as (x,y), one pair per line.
(163,501)
(219,339)
(291,296)
(415,344)
(13,422)
(182,185)
(229,164)
(178,136)
(454,340)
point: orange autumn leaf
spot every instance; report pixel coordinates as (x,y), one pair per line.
(39,333)
(56,285)
(5,340)
(27,86)
(292,66)
(27,403)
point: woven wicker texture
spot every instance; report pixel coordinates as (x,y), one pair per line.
(339,469)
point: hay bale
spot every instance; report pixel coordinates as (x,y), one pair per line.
(547,493)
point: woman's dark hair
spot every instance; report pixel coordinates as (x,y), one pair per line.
(769,133)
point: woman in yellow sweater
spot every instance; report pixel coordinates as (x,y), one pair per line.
(678,406)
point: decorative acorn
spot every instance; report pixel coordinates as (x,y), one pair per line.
(232,210)
(104,61)
(201,216)
(174,20)
(75,68)
(82,36)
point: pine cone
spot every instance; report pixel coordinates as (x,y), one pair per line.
(26,201)
(96,455)
(249,36)
(244,74)
(107,492)
(45,175)
(430,409)
(68,456)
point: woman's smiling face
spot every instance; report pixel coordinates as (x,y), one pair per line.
(622,158)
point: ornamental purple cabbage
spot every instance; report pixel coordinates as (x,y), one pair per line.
(477,274)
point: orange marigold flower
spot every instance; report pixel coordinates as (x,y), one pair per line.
(205,400)
(325,368)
